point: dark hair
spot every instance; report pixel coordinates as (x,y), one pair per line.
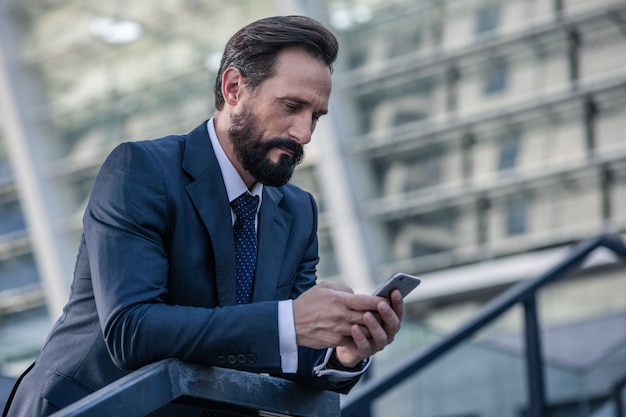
(253,50)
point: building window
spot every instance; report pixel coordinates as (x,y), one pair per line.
(18,271)
(509,148)
(487,18)
(11,217)
(516,215)
(404,40)
(407,116)
(496,76)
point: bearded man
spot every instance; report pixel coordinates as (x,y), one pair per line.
(169,267)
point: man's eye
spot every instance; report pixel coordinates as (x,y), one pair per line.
(291,107)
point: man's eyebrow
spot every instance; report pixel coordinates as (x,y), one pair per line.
(297,100)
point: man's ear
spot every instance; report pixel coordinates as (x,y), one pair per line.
(232,82)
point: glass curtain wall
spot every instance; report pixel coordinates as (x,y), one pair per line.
(481,128)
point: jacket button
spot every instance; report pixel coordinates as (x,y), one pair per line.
(241,358)
(251,357)
(221,359)
(231,359)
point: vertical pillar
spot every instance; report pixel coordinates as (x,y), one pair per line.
(453,75)
(573,54)
(482,225)
(558,10)
(590,111)
(26,139)
(467,157)
(343,217)
(606,178)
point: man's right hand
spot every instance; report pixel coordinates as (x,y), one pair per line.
(324,315)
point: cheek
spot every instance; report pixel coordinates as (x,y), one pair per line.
(274,123)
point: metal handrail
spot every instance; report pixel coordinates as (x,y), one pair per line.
(217,389)
(360,402)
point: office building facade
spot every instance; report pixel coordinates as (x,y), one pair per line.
(470,142)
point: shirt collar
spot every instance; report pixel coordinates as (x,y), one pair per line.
(233,182)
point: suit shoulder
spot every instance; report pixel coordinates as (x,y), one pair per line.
(188,149)
(167,148)
(172,144)
(166,144)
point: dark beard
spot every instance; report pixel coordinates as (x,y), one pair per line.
(251,150)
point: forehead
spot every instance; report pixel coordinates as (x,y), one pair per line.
(299,74)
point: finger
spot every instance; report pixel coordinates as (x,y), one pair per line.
(391,321)
(362,343)
(353,317)
(359,348)
(365,331)
(378,336)
(397,303)
(362,302)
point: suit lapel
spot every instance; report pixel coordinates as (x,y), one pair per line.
(208,194)
(273,233)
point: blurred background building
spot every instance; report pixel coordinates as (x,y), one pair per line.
(470,142)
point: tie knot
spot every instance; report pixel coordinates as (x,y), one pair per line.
(245,206)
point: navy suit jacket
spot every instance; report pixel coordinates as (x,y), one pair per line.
(155,276)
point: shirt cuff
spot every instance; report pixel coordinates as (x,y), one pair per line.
(336,374)
(287,337)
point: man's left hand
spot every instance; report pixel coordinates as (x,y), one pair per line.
(377,331)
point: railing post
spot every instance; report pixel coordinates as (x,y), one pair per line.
(534,359)
(618,397)
(619,404)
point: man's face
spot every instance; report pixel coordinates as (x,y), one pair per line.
(252,150)
(274,122)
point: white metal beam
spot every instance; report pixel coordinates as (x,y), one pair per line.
(26,139)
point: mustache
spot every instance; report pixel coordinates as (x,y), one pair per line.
(289,144)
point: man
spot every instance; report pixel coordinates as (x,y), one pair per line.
(167,268)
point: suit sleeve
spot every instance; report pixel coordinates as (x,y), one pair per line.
(124,225)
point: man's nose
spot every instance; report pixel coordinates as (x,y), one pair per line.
(301,130)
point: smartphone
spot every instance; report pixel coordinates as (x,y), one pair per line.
(400,281)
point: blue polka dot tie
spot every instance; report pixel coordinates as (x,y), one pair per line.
(245,207)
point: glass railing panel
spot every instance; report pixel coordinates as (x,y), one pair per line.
(584,322)
(481,377)
(487,377)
